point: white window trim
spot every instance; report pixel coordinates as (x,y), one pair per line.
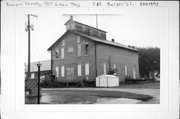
(78,39)
(125,70)
(134,74)
(57,71)
(79,50)
(79,70)
(62,71)
(104,69)
(63,42)
(87,69)
(114,66)
(62,53)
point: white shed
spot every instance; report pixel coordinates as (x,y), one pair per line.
(107,81)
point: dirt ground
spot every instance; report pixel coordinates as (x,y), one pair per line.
(155,93)
(125,94)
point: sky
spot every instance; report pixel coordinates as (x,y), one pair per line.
(140,28)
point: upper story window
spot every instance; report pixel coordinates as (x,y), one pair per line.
(62,53)
(78,46)
(79,50)
(67,27)
(78,39)
(70,49)
(63,42)
(86,48)
(56,54)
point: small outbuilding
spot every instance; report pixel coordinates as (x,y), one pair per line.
(107,81)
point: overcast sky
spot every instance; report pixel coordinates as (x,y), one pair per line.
(141,28)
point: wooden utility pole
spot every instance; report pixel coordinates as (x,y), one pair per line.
(28,29)
(29,46)
(96,21)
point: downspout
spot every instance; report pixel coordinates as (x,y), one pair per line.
(51,62)
(95,60)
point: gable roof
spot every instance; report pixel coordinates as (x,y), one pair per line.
(94,39)
(45,66)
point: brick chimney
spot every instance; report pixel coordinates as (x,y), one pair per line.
(71,17)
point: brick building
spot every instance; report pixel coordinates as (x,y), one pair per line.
(83,53)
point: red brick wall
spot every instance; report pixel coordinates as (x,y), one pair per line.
(72,60)
(119,57)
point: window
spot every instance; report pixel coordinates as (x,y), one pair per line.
(134,74)
(86,48)
(104,68)
(56,53)
(32,75)
(67,27)
(114,67)
(72,26)
(57,71)
(70,49)
(62,71)
(78,39)
(87,69)
(79,70)
(62,53)
(125,70)
(63,42)
(78,50)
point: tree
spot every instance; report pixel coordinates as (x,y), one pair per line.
(149,61)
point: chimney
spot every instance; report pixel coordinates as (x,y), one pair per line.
(71,17)
(112,40)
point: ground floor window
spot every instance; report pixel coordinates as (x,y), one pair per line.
(87,69)
(114,67)
(79,70)
(134,74)
(62,71)
(57,71)
(104,68)
(125,70)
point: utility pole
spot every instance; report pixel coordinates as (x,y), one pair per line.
(96,21)
(29,27)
